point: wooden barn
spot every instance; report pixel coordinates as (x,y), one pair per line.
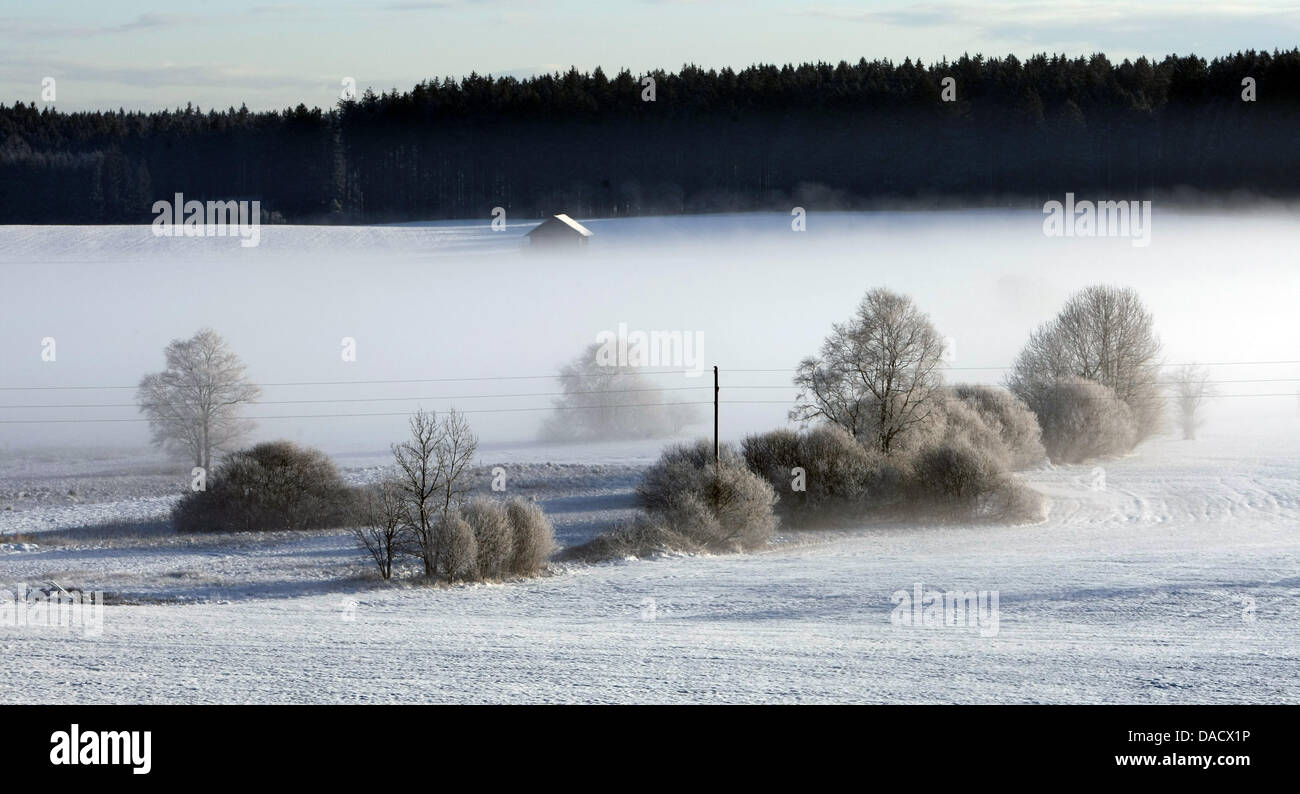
(559,231)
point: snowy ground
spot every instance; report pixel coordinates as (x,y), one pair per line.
(1179,581)
(1176,582)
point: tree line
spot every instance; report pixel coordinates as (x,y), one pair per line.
(822,136)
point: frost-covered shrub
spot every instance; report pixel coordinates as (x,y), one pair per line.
(771,455)
(1016,502)
(457,548)
(513,538)
(955,472)
(494,541)
(960,423)
(839,475)
(1082,420)
(534,537)
(960,466)
(1008,417)
(678,471)
(957,480)
(690,516)
(276,485)
(723,507)
(838,468)
(741,504)
(642,536)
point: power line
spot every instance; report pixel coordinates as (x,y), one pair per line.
(553,376)
(1012,366)
(530,394)
(541,408)
(556,376)
(1120,399)
(394,413)
(394,399)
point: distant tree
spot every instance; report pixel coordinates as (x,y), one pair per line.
(877,375)
(193,405)
(1103,334)
(602,401)
(1191,387)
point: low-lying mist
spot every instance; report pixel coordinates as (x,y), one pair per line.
(452,313)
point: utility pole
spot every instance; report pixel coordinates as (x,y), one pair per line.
(715,416)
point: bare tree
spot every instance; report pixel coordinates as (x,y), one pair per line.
(193,405)
(383,521)
(1191,387)
(419,486)
(432,465)
(878,374)
(1105,335)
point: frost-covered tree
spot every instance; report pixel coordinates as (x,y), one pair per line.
(1103,334)
(605,401)
(432,465)
(878,374)
(193,405)
(1191,387)
(382,523)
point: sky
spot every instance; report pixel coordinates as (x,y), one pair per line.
(151,55)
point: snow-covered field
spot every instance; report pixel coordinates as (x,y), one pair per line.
(1174,576)
(1177,582)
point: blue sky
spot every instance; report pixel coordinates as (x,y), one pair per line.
(150,55)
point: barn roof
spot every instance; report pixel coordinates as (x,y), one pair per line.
(567,221)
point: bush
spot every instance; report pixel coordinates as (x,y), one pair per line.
(1016,502)
(771,455)
(643,536)
(1008,417)
(955,472)
(534,537)
(494,540)
(841,477)
(505,539)
(957,480)
(1082,420)
(457,548)
(723,507)
(961,470)
(677,472)
(276,485)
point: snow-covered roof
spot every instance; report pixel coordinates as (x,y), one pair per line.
(567,221)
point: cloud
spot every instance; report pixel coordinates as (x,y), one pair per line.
(1040,23)
(416,5)
(24,27)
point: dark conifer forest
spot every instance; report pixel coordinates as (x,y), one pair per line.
(820,135)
